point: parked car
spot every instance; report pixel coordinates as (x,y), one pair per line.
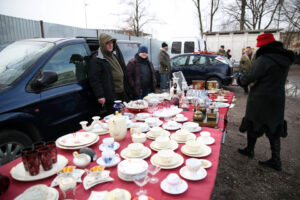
(44,91)
(206,67)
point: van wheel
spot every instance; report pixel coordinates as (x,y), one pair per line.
(11,144)
(219,82)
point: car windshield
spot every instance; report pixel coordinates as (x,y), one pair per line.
(17,57)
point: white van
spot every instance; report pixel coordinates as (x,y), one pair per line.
(180,45)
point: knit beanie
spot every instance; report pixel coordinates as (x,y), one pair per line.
(143,49)
(164,44)
(264,39)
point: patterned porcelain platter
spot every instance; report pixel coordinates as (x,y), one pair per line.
(77,139)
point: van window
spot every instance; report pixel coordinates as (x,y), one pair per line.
(176,47)
(69,63)
(189,47)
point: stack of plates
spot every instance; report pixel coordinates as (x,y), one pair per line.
(77,140)
(202,152)
(150,136)
(175,137)
(129,168)
(145,153)
(177,161)
(172,145)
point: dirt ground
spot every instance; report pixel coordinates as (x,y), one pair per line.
(240,177)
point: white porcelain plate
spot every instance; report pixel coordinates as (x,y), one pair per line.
(176,162)
(172,128)
(204,152)
(45,192)
(222,105)
(114,161)
(206,140)
(144,127)
(174,136)
(193,176)
(76,139)
(172,145)
(194,130)
(145,153)
(116,146)
(150,136)
(179,189)
(18,172)
(184,119)
(76,147)
(132,166)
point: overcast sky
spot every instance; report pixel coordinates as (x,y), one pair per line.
(172,17)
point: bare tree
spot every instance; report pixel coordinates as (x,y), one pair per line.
(137,17)
(197,4)
(252,13)
(213,9)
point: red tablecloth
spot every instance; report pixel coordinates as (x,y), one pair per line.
(196,189)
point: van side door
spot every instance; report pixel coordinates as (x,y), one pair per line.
(69,100)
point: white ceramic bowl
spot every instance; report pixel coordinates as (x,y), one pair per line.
(194,145)
(162,141)
(156,131)
(173,179)
(135,148)
(193,164)
(139,137)
(165,156)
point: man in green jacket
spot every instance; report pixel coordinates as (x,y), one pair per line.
(164,66)
(246,61)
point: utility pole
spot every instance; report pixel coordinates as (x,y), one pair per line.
(85,5)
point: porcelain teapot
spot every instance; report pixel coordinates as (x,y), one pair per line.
(117,126)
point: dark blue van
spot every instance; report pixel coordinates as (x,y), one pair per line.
(44,91)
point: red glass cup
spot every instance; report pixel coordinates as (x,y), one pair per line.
(52,146)
(33,163)
(44,154)
(24,160)
(38,145)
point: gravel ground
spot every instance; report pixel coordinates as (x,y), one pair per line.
(240,177)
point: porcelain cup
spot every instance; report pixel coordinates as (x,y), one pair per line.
(139,137)
(135,129)
(108,156)
(191,126)
(152,121)
(162,141)
(135,148)
(142,115)
(193,164)
(194,146)
(182,134)
(156,131)
(172,124)
(165,156)
(173,180)
(179,116)
(108,143)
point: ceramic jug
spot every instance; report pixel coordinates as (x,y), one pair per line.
(117,127)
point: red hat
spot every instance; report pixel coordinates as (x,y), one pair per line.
(264,38)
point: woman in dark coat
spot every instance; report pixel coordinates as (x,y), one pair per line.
(140,73)
(266,100)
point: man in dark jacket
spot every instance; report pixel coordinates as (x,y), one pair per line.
(164,66)
(107,75)
(140,73)
(266,100)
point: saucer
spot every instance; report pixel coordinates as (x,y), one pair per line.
(144,127)
(114,162)
(172,145)
(193,176)
(207,141)
(150,136)
(116,146)
(176,162)
(221,100)
(222,105)
(180,188)
(174,136)
(201,153)
(157,124)
(138,118)
(165,126)
(91,180)
(184,119)
(193,131)
(205,163)
(145,153)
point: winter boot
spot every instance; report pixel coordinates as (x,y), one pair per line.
(274,162)
(249,150)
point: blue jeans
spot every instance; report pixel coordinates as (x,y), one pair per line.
(164,80)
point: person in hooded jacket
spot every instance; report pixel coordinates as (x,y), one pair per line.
(107,75)
(140,73)
(266,100)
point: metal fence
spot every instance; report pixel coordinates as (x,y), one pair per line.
(13,28)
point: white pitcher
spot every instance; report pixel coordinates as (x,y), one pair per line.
(117,127)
